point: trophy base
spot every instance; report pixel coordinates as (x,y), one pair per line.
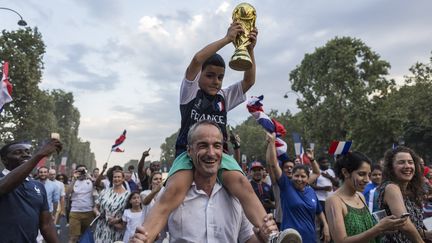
(241,60)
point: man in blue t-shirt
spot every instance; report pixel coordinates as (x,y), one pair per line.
(23,201)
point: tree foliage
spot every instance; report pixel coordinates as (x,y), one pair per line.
(168,149)
(34,113)
(337,82)
(346,96)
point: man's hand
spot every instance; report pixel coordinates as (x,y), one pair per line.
(310,154)
(233,31)
(270,137)
(234,140)
(326,175)
(140,236)
(267,228)
(253,39)
(146,153)
(105,166)
(53,145)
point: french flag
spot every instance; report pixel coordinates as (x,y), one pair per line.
(339,147)
(6,87)
(118,142)
(220,106)
(298,147)
(255,107)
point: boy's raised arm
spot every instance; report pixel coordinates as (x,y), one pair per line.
(195,65)
(249,75)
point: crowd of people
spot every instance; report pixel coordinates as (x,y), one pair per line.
(208,196)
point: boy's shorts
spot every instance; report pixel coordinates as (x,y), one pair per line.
(183,162)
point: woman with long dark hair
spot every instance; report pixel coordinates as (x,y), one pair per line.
(348,216)
(402,192)
(148,196)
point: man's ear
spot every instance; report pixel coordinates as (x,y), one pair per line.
(188,149)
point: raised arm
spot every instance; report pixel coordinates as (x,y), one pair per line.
(271,157)
(235,141)
(147,199)
(315,167)
(199,58)
(249,75)
(141,173)
(18,175)
(98,182)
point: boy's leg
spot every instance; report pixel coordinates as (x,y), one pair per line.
(175,192)
(239,186)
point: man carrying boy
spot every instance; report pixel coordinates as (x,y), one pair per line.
(201,98)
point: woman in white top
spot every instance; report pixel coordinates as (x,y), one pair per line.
(148,196)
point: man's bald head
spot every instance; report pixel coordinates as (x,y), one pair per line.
(52,174)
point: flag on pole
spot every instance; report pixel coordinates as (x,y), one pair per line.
(298,147)
(118,142)
(255,107)
(339,147)
(6,87)
(63,161)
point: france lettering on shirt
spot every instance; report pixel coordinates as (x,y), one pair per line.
(196,116)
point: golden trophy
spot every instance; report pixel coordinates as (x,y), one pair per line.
(245,14)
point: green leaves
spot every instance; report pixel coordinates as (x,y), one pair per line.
(34,113)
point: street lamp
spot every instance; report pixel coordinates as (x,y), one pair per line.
(21,22)
(293,92)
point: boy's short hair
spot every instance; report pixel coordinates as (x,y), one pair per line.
(215,60)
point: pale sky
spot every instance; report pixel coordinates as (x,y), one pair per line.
(124,60)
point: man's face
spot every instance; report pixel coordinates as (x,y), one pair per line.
(127,176)
(155,166)
(257,174)
(206,150)
(288,168)
(211,78)
(51,174)
(324,164)
(81,173)
(17,154)
(43,173)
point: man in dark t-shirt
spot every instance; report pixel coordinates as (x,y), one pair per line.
(262,189)
(23,201)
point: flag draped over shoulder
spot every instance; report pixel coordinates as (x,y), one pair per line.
(6,87)
(118,142)
(255,107)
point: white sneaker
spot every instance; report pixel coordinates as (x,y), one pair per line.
(286,236)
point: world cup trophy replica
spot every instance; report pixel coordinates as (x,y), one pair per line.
(245,14)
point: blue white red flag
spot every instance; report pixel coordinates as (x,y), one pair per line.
(339,147)
(6,87)
(298,147)
(255,107)
(118,142)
